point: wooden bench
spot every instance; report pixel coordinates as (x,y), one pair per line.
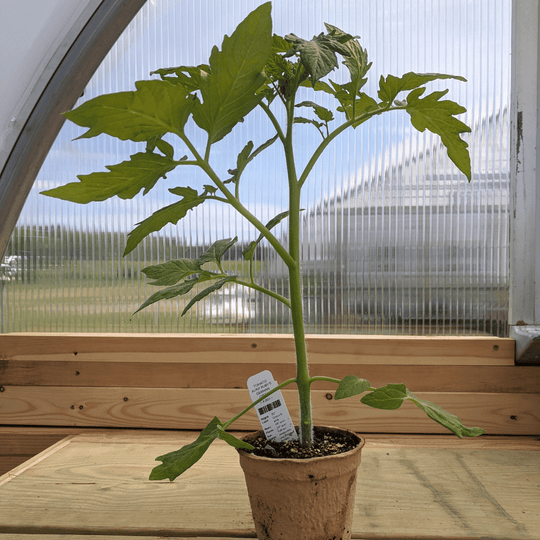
(52,385)
(64,397)
(409,487)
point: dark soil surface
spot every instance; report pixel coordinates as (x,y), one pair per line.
(325,444)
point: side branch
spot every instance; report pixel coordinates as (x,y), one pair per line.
(268,292)
(278,387)
(320,149)
(236,204)
(274,121)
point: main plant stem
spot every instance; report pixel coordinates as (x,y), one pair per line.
(295,287)
(297,315)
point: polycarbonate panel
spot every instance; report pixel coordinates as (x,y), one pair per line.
(395,240)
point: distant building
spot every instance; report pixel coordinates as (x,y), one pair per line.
(410,239)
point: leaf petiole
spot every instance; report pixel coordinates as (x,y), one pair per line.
(268,292)
(236,204)
(331,136)
(273,119)
(319,378)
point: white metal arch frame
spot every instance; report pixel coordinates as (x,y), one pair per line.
(524,287)
(85,52)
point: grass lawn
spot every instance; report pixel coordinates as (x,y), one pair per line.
(100,297)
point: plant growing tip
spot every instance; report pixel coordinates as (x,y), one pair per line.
(254,69)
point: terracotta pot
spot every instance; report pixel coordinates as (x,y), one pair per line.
(297,499)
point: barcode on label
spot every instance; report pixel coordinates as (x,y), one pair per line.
(270,406)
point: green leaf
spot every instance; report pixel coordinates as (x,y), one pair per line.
(263,146)
(171,272)
(156,107)
(446,419)
(389,397)
(280,44)
(175,463)
(209,290)
(324,114)
(241,161)
(229,92)
(209,189)
(245,157)
(172,213)
(250,250)
(279,71)
(318,55)
(232,440)
(182,191)
(187,76)
(307,104)
(356,62)
(350,386)
(365,104)
(320,86)
(353,104)
(362,105)
(124,180)
(172,292)
(390,87)
(216,251)
(438,117)
(166,148)
(302,120)
(151,143)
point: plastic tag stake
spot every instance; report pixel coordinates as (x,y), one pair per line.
(272,411)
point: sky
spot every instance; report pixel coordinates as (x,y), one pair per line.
(461,37)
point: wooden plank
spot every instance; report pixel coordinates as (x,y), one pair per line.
(217,348)
(38,431)
(485,442)
(192,408)
(7,463)
(19,444)
(24,536)
(373,440)
(424,378)
(464,493)
(93,488)
(26,442)
(23,467)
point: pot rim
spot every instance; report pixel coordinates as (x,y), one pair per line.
(249,455)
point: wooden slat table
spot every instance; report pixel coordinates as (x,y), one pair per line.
(409,487)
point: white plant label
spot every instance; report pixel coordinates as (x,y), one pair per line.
(272,411)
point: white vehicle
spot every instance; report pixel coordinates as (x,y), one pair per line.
(10,267)
(230,305)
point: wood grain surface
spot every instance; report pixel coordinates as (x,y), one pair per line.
(255,348)
(22,536)
(19,444)
(193,408)
(179,382)
(98,483)
(523,379)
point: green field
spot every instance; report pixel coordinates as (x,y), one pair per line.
(100,297)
